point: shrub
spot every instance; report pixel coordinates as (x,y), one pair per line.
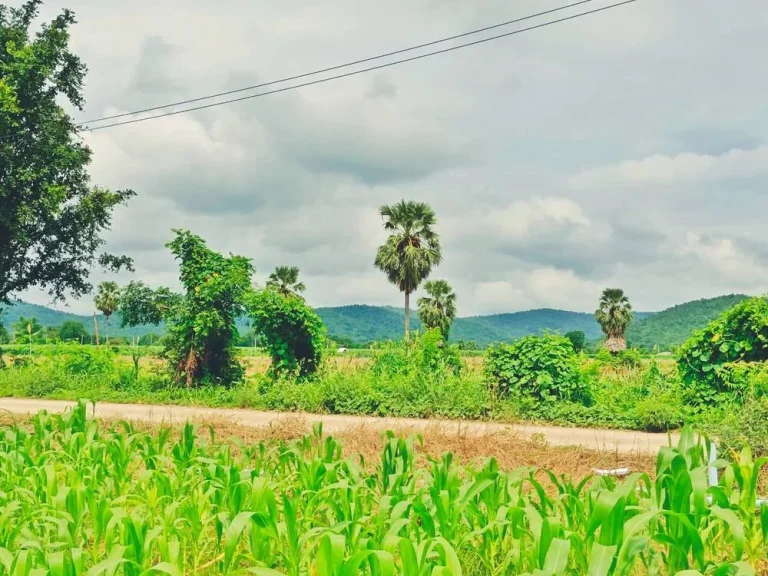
(543,367)
(429,353)
(738,335)
(745,427)
(89,360)
(292,333)
(659,414)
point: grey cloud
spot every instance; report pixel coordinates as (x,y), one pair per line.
(715,141)
(381,87)
(296,178)
(155,72)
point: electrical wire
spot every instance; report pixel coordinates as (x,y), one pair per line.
(336,67)
(364,70)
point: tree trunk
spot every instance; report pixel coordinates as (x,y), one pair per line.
(96,328)
(407,315)
(106,330)
(615,344)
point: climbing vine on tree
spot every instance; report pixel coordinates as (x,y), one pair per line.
(739,335)
(293,334)
(201,321)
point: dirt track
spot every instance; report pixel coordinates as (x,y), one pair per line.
(618,441)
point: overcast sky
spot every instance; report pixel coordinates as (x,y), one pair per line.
(628,149)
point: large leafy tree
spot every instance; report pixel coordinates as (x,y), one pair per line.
(51,218)
(285,280)
(412,249)
(107,301)
(614,313)
(201,321)
(438,308)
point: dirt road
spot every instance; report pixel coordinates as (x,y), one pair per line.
(618,441)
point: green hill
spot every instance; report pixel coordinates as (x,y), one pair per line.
(673,326)
(362,323)
(50,317)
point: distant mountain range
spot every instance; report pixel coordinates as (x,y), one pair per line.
(362,323)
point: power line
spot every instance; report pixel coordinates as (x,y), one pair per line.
(338,66)
(364,70)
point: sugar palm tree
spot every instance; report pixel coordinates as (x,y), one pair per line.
(412,249)
(438,309)
(614,313)
(107,300)
(285,279)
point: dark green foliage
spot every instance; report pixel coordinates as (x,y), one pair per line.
(671,327)
(541,367)
(289,329)
(738,335)
(51,219)
(72,331)
(412,249)
(201,322)
(140,305)
(5,338)
(578,340)
(438,308)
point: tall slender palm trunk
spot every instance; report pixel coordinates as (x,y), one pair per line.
(407,315)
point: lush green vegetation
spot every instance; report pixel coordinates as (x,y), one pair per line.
(671,327)
(79,498)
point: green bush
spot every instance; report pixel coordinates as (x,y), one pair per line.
(738,335)
(427,353)
(543,367)
(659,414)
(89,360)
(291,332)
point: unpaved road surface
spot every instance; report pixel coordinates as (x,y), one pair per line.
(619,441)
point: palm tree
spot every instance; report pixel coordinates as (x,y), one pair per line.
(614,314)
(285,279)
(412,249)
(439,310)
(107,300)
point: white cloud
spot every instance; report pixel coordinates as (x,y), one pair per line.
(686,167)
(726,261)
(538,288)
(522,218)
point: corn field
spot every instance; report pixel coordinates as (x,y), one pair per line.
(77,497)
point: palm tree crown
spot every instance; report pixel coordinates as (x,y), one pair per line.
(412,249)
(614,313)
(439,309)
(285,279)
(107,300)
